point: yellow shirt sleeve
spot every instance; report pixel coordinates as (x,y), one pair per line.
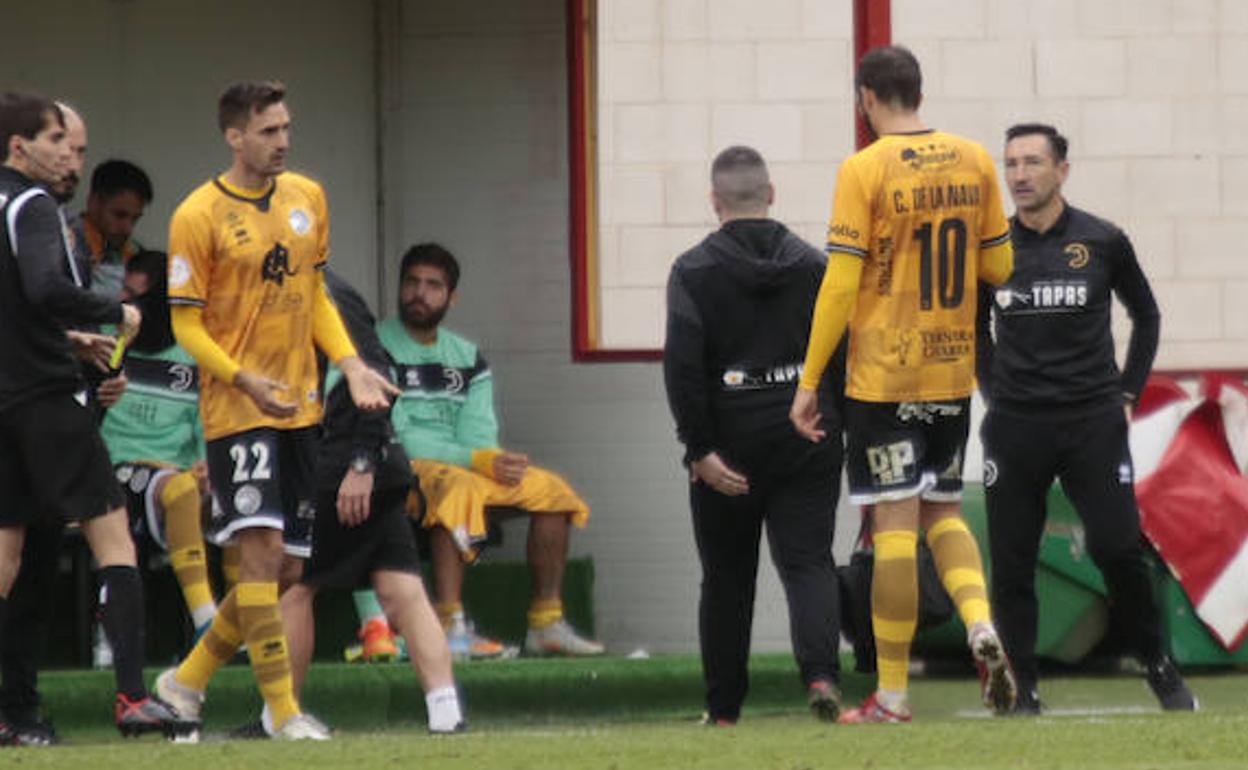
(188,328)
(996,253)
(832,308)
(328,331)
(190,254)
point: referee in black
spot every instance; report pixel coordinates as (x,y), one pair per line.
(1058,408)
(739,306)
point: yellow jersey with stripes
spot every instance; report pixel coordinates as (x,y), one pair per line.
(250,258)
(923,211)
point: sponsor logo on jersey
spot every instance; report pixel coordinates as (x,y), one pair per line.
(1059,294)
(930,158)
(841,230)
(1079,255)
(1124,473)
(276,267)
(1006,297)
(926,411)
(138,482)
(740,379)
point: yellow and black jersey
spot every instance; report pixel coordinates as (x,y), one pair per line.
(250,258)
(923,211)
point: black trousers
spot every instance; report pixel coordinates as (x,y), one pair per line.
(31,602)
(1090,455)
(800,514)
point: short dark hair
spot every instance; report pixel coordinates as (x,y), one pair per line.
(1058,144)
(114,176)
(153,265)
(435,255)
(24,114)
(243,99)
(739,178)
(893,74)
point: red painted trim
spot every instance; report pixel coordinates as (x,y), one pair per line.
(578,146)
(873,27)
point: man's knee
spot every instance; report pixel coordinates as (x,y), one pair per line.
(260,554)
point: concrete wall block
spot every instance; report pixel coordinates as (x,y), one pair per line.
(1124,18)
(984,70)
(1235,312)
(752,20)
(686,72)
(1194,17)
(1200,354)
(948,20)
(633,317)
(1081,67)
(630,72)
(1172,66)
(828,19)
(972,118)
(1174,187)
(828,130)
(1100,186)
(805,71)
(684,19)
(1190,310)
(930,54)
(647,253)
(630,20)
(1197,125)
(1124,127)
(803,191)
(658,133)
(1033,19)
(609,255)
(1212,248)
(1234,124)
(775,130)
(1234,174)
(733,72)
(1233,64)
(1232,16)
(1065,114)
(686,196)
(635,195)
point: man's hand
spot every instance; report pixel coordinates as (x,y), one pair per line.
(805,416)
(130,320)
(263,391)
(370,391)
(509,468)
(354,494)
(92,348)
(110,391)
(199,469)
(714,472)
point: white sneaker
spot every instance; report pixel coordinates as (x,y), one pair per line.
(302,727)
(559,638)
(187,701)
(996,676)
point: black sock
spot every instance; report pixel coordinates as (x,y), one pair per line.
(121,612)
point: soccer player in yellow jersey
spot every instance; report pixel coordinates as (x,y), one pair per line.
(917,221)
(249,304)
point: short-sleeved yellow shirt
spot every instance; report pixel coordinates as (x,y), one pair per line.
(250,258)
(922,210)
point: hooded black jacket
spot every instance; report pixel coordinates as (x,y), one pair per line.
(739,306)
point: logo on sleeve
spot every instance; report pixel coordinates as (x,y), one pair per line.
(179,271)
(300,221)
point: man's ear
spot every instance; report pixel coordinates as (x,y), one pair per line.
(234,138)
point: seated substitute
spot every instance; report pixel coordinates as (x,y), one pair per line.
(361,533)
(155,441)
(445,420)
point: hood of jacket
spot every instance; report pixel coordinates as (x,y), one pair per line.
(759,254)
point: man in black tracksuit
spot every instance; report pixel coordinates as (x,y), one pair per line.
(1058,407)
(739,307)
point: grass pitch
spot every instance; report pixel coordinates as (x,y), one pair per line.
(614,714)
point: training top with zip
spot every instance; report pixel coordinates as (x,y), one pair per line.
(41,295)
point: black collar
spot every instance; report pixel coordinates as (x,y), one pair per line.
(1021,230)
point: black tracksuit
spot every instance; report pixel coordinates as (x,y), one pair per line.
(739,309)
(1055,410)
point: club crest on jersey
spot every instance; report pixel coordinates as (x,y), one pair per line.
(276,267)
(454,380)
(1079,255)
(247,500)
(300,221)
(182,376)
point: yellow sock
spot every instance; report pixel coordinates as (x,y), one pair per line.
(231,555)
(447,612)
(543,612)
(261,624)
(894,606)
(214,649)
(961,570)
(181,501)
